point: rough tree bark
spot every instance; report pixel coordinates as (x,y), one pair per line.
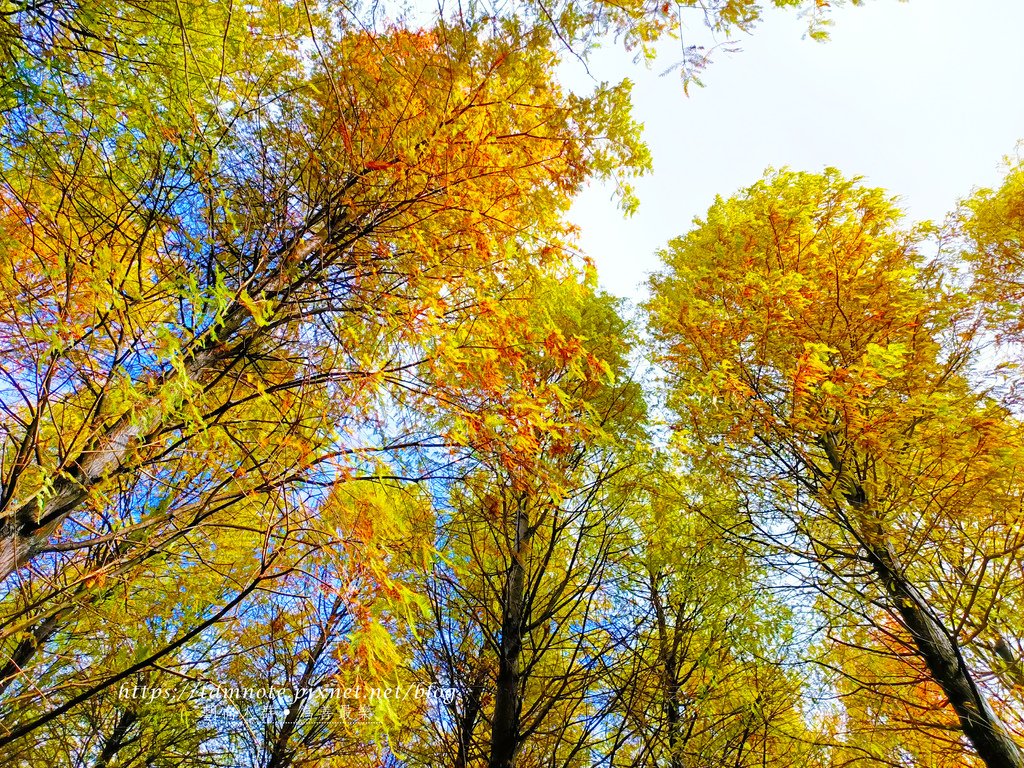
(941,654)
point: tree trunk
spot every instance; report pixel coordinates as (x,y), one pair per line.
(282,753)
(115,741)
(467,723)
(669,676)
(1009,669)
(508,693)
(25,530)
(935,645)
(940,653)
(43,630)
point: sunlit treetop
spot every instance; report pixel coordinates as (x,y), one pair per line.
(990,224)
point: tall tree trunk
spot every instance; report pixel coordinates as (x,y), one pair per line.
(508,703)
(42,631)
(25,526)
(25,530)
(282,752)
(939,650)
(669,676)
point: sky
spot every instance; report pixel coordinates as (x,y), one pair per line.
(923,98)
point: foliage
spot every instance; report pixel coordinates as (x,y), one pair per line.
(320,447)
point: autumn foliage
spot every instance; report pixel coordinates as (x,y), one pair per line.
(320,445)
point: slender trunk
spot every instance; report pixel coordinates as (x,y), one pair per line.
(49,625)
(669,676)
(1010,670)
(26,649)
(25,728)
(508,689)
(282,753)
(467,723)
(115,741)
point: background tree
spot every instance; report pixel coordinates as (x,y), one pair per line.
(987,232)
(520,600)
(702,673)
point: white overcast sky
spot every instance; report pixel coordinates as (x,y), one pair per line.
(923,98)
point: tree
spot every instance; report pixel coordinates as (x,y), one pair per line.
(701,676)
(816,360)
(584,615)
(520,598)
(987,233)
(334,239)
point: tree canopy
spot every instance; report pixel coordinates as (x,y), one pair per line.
(320,445)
